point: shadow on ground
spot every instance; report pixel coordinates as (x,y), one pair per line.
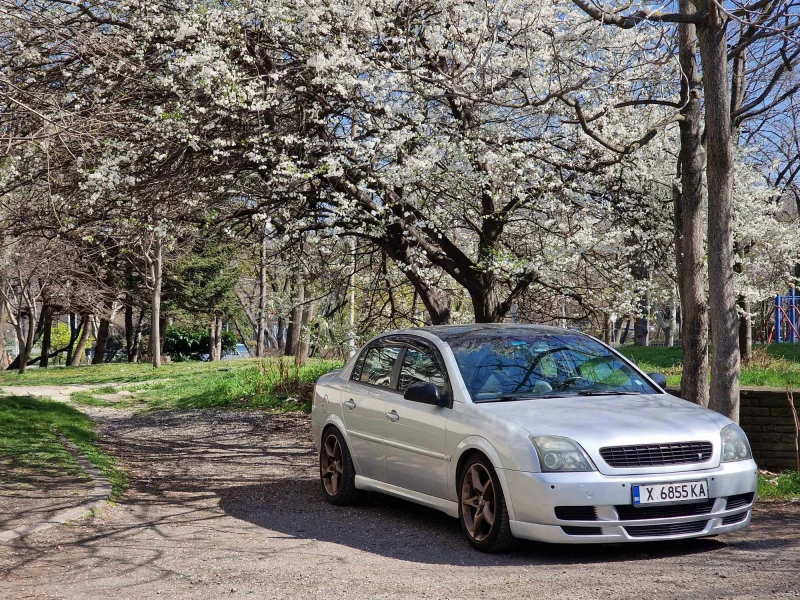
(398,529)
(261,468)
(241,489)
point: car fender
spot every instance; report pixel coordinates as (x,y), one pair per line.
(476,442)
(335,420)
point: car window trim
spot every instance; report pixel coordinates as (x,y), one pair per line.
(428,348)
(392,387)
(402,342)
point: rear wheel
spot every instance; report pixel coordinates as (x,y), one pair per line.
(482,507)
(336,470)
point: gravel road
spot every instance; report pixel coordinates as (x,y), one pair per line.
(227,505)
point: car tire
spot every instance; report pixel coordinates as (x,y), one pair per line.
(336,471)
(482,506)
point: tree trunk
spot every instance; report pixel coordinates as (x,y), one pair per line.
(281,334)
(293,332)
(86,328)
(689,223)
(155,312)
(74,332)
(351,302)
(137,337)
(218,337)
(618,330)
(47,313)
(102,342)
(607,329)
(26,343)
(3,352)
(725,361)
(75,329)
(641,324)
(641,333)
(738,88)
(262,298)
(272,341)
(437,305)
(745,331)
(669,328)
(625,332)
(212,338)
(305,334)
(130,334)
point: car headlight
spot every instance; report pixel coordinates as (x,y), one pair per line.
(559,454)
(734,444)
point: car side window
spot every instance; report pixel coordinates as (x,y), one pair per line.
(419,367)
(377,366)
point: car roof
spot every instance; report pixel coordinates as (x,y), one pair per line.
(448,333)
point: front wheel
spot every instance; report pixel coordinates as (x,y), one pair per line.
(336,470)
(482,507)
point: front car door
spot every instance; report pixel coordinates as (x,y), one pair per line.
(372,381)
(415,456)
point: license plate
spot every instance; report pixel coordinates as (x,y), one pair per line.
(669,493)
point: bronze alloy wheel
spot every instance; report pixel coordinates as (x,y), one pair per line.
(330,465)
(336,470)
(478,502)
(482,506)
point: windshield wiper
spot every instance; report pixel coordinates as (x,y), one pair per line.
(608,393)
(513,397)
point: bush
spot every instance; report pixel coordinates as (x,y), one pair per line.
(182,343)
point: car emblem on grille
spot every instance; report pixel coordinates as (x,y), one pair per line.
(700,455)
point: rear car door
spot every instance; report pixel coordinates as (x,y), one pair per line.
(364,401)
(415,457)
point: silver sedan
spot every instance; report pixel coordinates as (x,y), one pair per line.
(529,432)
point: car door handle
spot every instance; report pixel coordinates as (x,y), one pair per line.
(393,416)
(350,404)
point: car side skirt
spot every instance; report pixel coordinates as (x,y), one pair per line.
(448,507)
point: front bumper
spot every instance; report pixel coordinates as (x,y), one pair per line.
(534,497)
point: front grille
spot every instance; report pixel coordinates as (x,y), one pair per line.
(628,512)
(572,530)
(730,520)
(576,513)
(739,500)
(653,455)
(669,529)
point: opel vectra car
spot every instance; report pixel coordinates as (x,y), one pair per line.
(529,432)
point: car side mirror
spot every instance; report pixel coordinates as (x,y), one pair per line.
(659,379)
(426,393)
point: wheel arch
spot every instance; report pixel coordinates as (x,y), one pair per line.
(471,446)
(334,420)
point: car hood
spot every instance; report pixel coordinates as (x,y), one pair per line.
(599,421)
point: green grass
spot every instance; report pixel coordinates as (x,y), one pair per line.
(273,383)
(254,385)
(785,486)
(89,399)
(107,389)
(104,374)
(776,365)
(29,439)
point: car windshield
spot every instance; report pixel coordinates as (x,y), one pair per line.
(502,366)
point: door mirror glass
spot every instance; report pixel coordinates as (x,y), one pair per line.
(426,393)
(659,379)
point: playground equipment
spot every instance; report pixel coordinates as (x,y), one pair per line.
(782,324)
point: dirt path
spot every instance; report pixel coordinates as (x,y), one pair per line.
(61,393)
(227,505)
(26,497)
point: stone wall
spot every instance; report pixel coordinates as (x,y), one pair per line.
(766,418)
